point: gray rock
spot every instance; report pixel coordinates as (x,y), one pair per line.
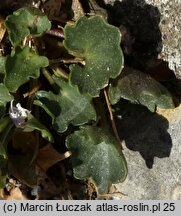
(152,147)
(154,27)
(150,29)
(170,26)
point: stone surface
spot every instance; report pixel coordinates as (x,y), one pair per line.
(170,26)
(152,147)
(150,29)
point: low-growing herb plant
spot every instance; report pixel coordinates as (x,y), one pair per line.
(75,103)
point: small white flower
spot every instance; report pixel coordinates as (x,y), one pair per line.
(18,114)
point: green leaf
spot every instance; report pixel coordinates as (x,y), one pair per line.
(5,96)
(98,43)
(95,155)
(2,67)
(24,22)
(68,107)
(22,65)
(140,88)
(6,126)
(33,124)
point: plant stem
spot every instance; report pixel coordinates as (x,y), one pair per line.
(60,72)
(67,61)
(113,124)
(56,32)
(49,79)
(34,89)
(101,113)
(48,76)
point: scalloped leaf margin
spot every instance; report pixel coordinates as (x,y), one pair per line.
(22,65)
(67,107)
(140,88)
(98,44)
(26,21)
(96,156)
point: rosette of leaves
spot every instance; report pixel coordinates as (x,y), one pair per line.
(23,63)
(140,88)
(16,69)
(95,155)
(24,22)
(69,106)
(98,44)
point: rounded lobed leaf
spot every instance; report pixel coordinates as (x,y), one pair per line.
(140,88)
(98,44)
(24,22)
(95,156)
(68,107)
(22,65)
